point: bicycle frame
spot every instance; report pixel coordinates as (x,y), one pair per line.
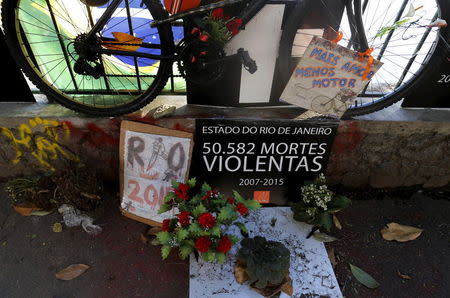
(246,16)
(253,8)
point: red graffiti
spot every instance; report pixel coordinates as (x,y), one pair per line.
(94,135)
(348,138)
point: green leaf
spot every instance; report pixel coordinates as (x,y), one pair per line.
(215,231)
(401,22)
(252,204)
(363,277)
(242,227)
(324,219)
(164,237)
(205,187)
(384,31)
(302,216)
(227,213)
(233,239)
(238,197)
(169,196)
(199,210)
(209,256)
(388,29)
(175,183)
(164,208)
(40,213)
(182,234)
(221,257)
(195,200)
(191,182)
(340,202)
(165,251)
(196,230)
(185,251)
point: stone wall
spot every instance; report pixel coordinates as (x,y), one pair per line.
(391,154)
(364,153)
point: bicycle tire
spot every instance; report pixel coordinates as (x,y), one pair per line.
(115,95)
(433,58)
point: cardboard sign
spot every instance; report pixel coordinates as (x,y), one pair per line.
(264,160)
(150,158)
(327,78)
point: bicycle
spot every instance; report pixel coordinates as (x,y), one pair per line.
(82,65)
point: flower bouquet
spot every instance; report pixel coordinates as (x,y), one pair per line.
(200,225)
(318,204)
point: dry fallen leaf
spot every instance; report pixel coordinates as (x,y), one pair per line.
(71,272)
(401,233)
(240,273)
(143,239)
(26,209)
(404,276)
(322,237)
(155,242)
(332,256)
(336,222)
(287,287)
(154,230)
(57,227)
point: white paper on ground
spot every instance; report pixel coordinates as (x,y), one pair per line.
(310,269)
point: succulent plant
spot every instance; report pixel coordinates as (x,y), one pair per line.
(266,262)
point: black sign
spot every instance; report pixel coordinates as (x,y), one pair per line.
(266,160)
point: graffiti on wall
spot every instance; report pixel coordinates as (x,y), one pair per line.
(95,136)
(41,138)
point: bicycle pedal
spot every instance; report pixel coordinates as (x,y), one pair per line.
(248,63)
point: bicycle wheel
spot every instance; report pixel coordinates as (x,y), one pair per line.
(42,35)
(398,32)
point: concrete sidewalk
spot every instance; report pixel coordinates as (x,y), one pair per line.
(121,265)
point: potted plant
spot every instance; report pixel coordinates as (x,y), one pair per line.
(264,265)
(200,225)
(318,204)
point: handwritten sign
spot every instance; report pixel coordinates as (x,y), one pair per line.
(328,77)
(151,158)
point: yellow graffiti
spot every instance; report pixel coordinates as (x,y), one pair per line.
(44,147)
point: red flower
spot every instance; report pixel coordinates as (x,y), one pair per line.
(242,209)
(182,191)
(231,201)
(206,220)
(203,37)
(202,244)
(211,194)
(224,245)
(217,14)
(166,225)
(183,218)
(234,25)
